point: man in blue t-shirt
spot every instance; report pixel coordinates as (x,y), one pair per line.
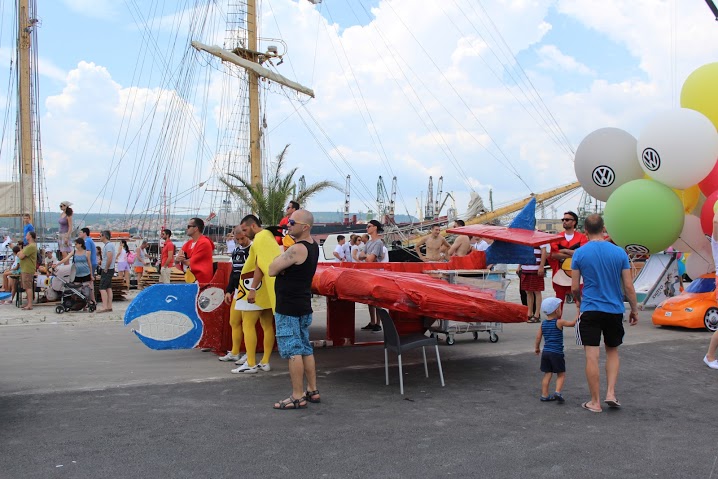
(604,268)
(90,246)
(28,225)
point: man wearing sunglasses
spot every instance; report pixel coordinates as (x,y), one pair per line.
(374,252)
(288,212)
(294,270)
(564,249)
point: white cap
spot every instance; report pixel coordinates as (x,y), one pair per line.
(550,305)
(65,203)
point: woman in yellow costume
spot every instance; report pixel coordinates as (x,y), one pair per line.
(255,296)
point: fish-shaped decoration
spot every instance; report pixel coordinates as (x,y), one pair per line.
(172,316)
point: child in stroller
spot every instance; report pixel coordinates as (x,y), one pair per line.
(73,296)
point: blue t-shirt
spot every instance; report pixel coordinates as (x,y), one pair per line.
(28,227)
(90,246)
(601,264)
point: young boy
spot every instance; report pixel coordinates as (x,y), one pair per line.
(552,360)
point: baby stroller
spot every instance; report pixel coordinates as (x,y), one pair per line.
(74,296)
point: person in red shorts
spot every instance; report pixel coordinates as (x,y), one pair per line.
(197,253)
(532,281)
(563,250)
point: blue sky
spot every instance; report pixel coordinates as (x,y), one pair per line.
(423,93)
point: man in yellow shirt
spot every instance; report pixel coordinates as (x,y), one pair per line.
(255,295)
(28,265)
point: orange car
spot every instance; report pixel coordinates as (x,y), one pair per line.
(696,307)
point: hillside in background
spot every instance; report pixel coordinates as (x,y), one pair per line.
(175,222)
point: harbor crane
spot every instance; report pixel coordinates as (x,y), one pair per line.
(392,200)
(381,199)
(429,209)
(347,191)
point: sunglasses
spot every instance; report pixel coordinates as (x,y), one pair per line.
(567,219)
(191,226)
(295,222)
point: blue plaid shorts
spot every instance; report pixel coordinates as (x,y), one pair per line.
(292,333)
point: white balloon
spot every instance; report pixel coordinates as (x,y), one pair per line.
(699,263)
(605,160)
(678,148)
(692,237)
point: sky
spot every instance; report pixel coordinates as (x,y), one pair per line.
(491,95)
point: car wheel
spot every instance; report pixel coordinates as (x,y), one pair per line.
(710,320)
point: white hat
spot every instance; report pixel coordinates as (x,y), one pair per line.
(65,203)
(550,305)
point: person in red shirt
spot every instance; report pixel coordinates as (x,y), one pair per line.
(167,257)
(563,250)
(197,253)
(283,223)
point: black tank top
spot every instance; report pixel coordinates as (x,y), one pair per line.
(293,286)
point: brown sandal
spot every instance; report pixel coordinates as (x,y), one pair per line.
(291,403)
(309,396)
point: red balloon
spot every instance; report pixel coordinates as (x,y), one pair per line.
(709,184)
(707,213)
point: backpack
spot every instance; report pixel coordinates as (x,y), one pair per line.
(131,257)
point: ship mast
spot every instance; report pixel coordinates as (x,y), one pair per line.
(25,136)
(252,59)
(255,154)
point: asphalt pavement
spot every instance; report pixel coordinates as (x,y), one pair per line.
(83,398)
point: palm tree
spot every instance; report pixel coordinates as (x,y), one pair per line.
(268,201)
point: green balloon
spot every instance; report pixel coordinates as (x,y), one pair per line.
(644,216)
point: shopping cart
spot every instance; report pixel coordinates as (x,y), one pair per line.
(483,280)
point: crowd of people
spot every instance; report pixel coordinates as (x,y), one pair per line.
(270,284)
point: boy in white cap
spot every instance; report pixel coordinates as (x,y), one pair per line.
(552,360)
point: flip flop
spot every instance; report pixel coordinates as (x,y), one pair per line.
(585,406)
(613,403)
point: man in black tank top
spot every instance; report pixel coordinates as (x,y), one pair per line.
(294,270)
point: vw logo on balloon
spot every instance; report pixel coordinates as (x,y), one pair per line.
(603,176)
(651,159)
(636,249)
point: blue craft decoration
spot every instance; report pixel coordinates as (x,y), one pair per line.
(502,252)
(168,316)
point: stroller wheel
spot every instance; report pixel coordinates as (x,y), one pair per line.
(59,309)
(92,307)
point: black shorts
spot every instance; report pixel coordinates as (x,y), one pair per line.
(552,362)
(592,324)
(106,279)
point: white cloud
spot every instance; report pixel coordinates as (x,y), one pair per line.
(102,9)
(553,58)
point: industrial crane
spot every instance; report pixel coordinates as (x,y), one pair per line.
(347,191)
(381,198)
(429,211)
(392,200)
